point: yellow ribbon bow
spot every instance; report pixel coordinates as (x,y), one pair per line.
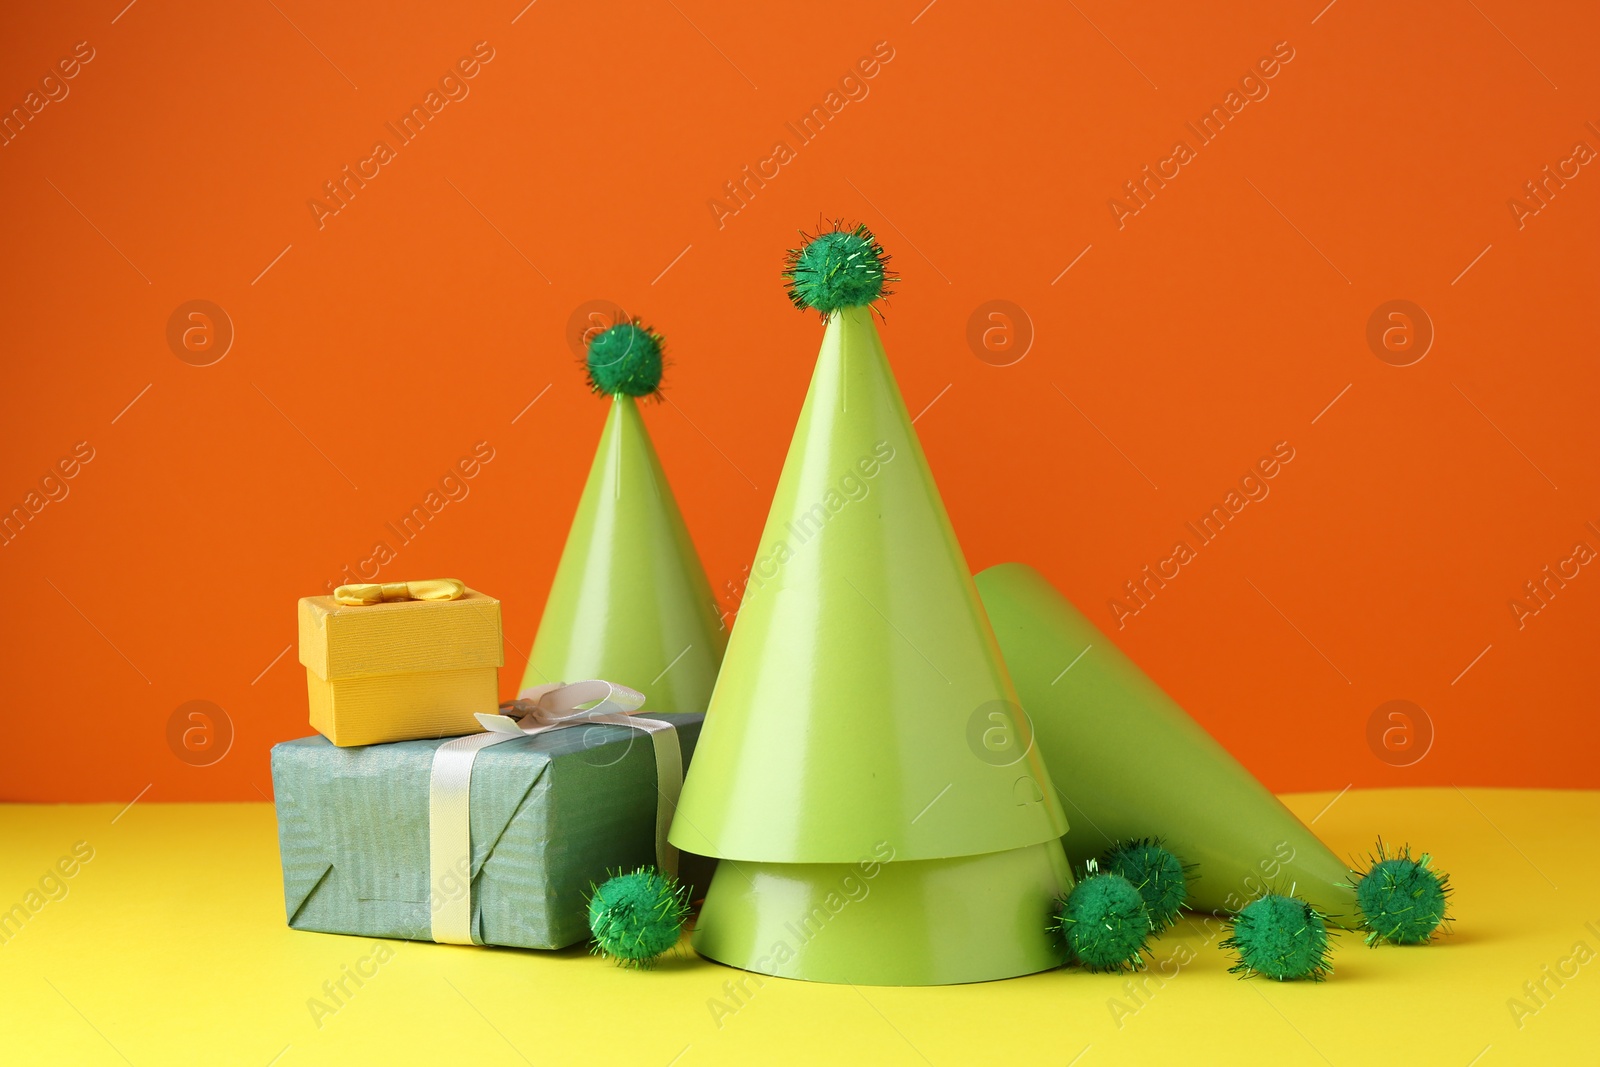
(431,589)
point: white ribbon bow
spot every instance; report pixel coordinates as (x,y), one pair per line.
(535,711)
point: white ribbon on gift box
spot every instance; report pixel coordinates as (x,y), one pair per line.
(543,708)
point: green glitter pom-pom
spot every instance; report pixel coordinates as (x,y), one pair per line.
(626,359)
(1401,900)
(1280,937)
(836,270)
(1104,922)
(635,917)
(1155,872)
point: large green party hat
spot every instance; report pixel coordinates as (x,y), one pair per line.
(862,682)
(1131,763)
(863,770)
(630,602)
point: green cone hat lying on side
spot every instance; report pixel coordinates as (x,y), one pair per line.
(862,763)
(1128,762)
(630,598)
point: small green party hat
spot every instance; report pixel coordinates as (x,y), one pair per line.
(630,602)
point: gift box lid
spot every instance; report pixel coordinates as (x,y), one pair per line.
(351,641)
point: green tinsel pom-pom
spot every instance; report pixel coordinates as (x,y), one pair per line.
(635,917)
(836,270)
(1401,900)
(1280,937)
(1155,872)
(1104,922)
(625,358)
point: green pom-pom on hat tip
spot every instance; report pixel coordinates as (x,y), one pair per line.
(1160,877)
(837,269)
(1280,937)
(637,916)
(625,359)
(1401,900)
(1104,922)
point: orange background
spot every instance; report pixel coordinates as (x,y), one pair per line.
(373,352)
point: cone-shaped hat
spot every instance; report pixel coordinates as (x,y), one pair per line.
(1131,763)
(863,699)
(630,602)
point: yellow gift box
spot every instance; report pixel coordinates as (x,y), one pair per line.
(400,661)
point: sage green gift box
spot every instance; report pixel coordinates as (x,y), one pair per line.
(551,815)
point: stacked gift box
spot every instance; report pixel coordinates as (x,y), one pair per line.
(550,813)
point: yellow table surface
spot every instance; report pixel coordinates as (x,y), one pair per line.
(169,946)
